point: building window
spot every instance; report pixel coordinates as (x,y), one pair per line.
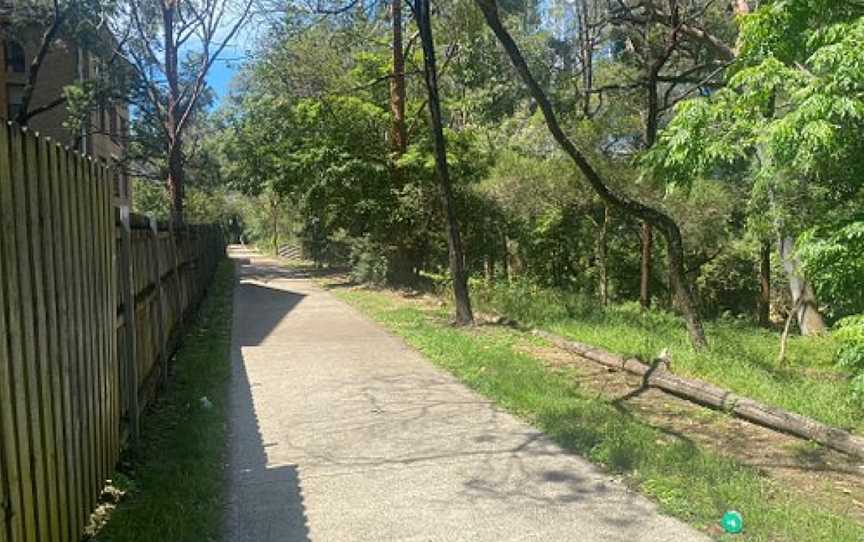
(14,100)
(15,61)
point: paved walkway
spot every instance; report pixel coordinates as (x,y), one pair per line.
(341,433)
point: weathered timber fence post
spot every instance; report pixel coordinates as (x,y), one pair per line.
(157,285)
(128,298)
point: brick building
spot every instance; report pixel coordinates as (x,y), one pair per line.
(65,64)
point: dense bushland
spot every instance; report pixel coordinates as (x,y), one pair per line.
(739,121)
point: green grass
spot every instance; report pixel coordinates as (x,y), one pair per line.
(175,486)
(688,482)
(742,357)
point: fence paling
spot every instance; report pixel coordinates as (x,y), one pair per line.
(48,348)
(129,359)
(68,340)
(11,525)
(53,160)
(73,267)
(21,298)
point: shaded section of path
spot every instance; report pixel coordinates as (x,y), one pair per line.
(340,432)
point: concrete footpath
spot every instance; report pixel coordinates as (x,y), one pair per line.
(340,432)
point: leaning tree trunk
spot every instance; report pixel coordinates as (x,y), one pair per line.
(663,222)
(657,375)
(810,320)
(464,315)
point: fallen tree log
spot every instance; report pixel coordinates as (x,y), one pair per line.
(703,393)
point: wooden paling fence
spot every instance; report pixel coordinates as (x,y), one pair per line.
(77,367)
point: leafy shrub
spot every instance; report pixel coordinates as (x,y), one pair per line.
(850,355)
(368,261)
(527,302)
(729,282)
(834,261)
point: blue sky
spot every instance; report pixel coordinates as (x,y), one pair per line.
(224,69)
(220,77)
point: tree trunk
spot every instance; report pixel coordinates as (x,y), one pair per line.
(398,137)
(806,308)
(489,267)
(274,221)
(586,55)
(175,182)
(668,227)
(505,261)
(401,265)
(681,288)
(464,315)
(645,269)
(603,257)
(652,123)
(764,301)
(176,175)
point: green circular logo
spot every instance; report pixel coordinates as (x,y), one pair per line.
(732,522)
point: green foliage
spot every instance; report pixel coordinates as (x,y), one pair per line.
(727,284)
(150,198)
(268,222)
(850,354)
(323,148)
(834,260)
(788,121)
(770,152)
(531,303)
(787,127)
(368,262)
(203,206)
(547,217)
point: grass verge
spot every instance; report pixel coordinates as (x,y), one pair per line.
(742,357)
(688,482)
(174,480)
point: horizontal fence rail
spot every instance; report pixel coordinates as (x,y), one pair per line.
(77,367)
